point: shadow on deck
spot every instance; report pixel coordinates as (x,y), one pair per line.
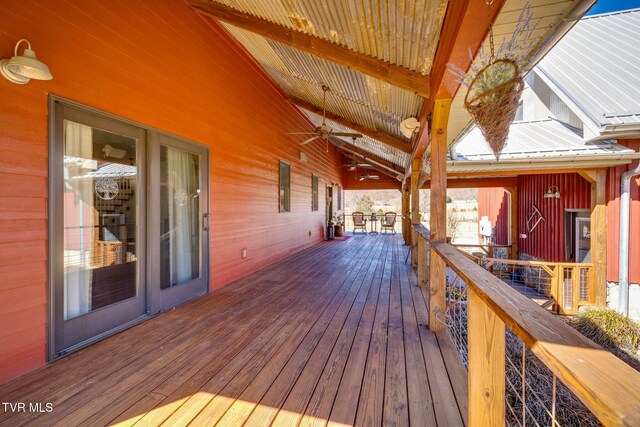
(335,334)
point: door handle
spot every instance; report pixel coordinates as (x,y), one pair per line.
(205,222)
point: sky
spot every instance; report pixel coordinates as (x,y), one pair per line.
(603,6)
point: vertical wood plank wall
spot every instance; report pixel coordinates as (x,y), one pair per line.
(547,240)
(494,203)
(159,64)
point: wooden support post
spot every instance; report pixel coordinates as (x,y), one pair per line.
(513,221)
(438,211)
(599,236)
(406,208)
(423,273)
(598,179)
(416,166)
(486,364)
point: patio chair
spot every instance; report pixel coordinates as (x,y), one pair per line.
(389,222)
(359,222)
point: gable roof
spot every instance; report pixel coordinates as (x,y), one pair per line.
(595,69)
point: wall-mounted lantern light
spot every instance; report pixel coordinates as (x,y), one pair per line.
(550,194)
(21,69)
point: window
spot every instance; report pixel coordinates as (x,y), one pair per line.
(285,187)
(314,192)
(339,191)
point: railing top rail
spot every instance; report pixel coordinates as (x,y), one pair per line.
(469,245)
(422,230)
(538,263)
(607,386)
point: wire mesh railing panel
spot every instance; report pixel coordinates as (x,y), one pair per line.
(567,283)
(455,316)
(531,281)
(534,395)
(584,284)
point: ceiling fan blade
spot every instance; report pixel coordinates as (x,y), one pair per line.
(335,141)
(374,177)
(362,178)
(347,134)
(309,140)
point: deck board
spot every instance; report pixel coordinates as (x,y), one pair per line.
(334,335)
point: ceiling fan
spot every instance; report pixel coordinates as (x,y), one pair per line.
(324,130)
(354,164)
(365,176)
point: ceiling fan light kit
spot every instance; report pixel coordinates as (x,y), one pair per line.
(409,126)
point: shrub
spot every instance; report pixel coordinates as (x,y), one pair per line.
(611,330)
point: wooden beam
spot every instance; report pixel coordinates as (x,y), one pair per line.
(406,211)
(599,236)
(377,135)
(465,27)
(477,182)
(438,212)
(342,55)
(486,364)
(513,220)
(354,149)
(415,209)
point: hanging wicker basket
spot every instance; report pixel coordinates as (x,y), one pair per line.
(493,107)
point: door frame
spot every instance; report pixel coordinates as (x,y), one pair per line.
(55,178)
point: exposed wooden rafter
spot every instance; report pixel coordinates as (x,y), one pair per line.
(374,165)
(377,135)
(365,155)
(382,70)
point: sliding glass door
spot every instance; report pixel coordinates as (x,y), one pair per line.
(128,225)
(181,223)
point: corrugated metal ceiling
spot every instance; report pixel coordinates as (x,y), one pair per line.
(401,32)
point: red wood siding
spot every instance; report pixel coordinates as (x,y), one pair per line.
(613,220)
(547,240)
(494,203)
(160,64)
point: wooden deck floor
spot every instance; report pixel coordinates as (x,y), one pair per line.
(333,335)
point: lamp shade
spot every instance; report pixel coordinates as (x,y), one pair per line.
(28,66)
(20,69)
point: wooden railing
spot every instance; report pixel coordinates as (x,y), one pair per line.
(609,388)
(569,285)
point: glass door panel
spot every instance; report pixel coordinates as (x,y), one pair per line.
(179,228)
(179,216)
(97,277)
(100,223)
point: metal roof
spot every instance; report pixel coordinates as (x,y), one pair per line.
(540,142)
(597,66)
